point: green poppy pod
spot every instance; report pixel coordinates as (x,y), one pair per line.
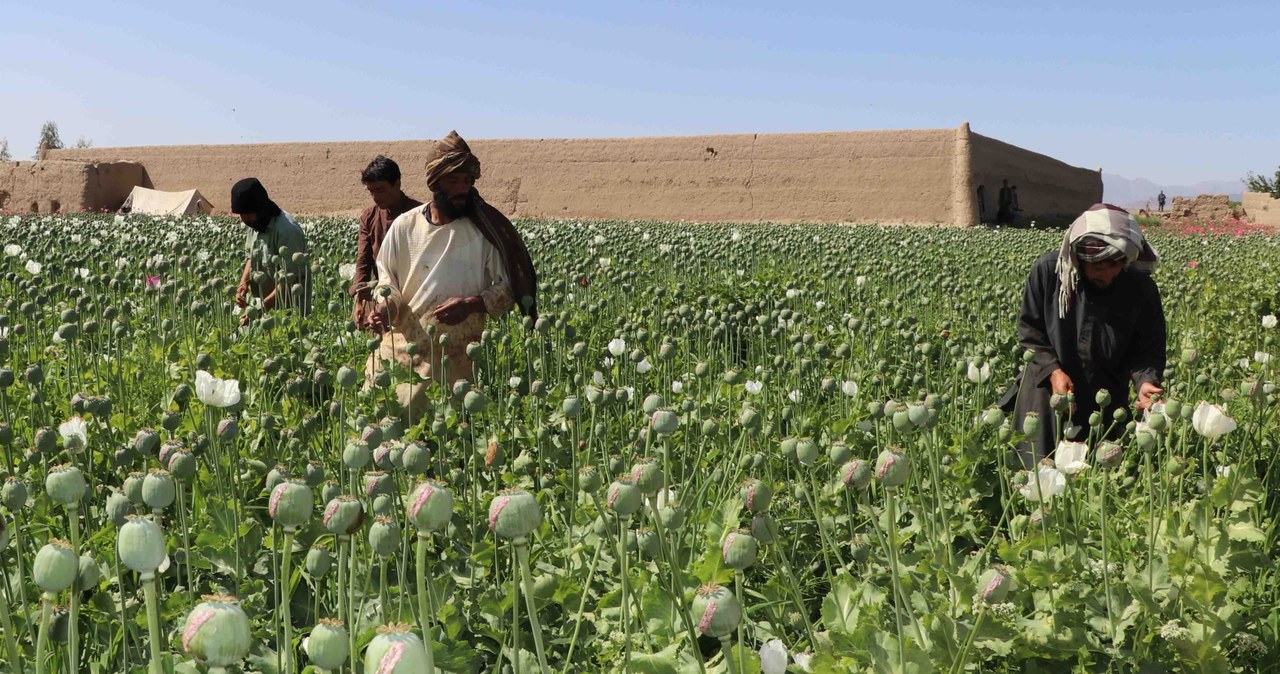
(652,403)
(395,650)
(1031,423)
(624,497)
(1109,453)
(133,487)
(347,377)
(118,508)
(648,476)
(664,422)
(764,528)
(839,452)
(750,420)
(807,451)
(14,494)
(716,611)
(158,489)
(671,516)
(860,548)
(756,495)
(228,429)
(384,536)
(46,440)
(475,402)
(318,561)
(571,407)
(88,574)
(146,441)
(647,543)
(739,550)
(589,479)
(378,483)
(56,567)
(892,468)
(343,516)
(327,645)
(416,457)
(183,465)
(290,504)
(65,484)
(217,632)
(430,507)
(356,455)
(994,585)
(141,545)
(856,474)
(515,514)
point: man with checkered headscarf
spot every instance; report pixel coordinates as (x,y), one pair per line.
(1092,320)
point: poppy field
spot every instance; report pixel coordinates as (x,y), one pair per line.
(744,449)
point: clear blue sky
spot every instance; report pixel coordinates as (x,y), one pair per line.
(1171,91)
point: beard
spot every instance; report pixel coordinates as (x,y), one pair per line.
(451,209)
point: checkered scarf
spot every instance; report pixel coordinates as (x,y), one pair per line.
(1103,232)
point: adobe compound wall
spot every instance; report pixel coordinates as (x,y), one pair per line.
(53,186)
(1261,208)
(1047,188)
(906,176)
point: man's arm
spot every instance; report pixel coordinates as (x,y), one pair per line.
(242,290)
(365,264)
(1147,354)
(1033,323)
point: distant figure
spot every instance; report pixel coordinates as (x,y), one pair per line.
(382,179)
(982,203)
(1004,204)
(1014,191)
(276,251)
(1160,200)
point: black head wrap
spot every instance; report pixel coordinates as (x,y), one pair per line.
(249,196)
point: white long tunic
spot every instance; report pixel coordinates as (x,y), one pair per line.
(425,264)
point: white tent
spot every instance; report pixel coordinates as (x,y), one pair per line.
(155,202)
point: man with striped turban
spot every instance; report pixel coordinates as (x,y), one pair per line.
(1092,321)
(443,268)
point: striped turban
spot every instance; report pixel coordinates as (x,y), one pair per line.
(1103,232)
(450,155)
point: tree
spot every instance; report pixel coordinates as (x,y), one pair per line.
(83,142)
(1257,183)
(49,138)
(4,150)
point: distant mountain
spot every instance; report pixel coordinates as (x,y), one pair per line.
(1137,192)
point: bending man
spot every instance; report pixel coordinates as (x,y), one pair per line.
(277,252)
(1092,319)
(382,179)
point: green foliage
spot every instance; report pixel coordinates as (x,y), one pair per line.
(1263,184)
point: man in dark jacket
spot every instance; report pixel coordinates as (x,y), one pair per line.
(1092,321)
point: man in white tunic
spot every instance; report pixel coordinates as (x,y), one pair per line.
(444,268)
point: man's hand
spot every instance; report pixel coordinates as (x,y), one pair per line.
(376,318)
(1060,382)
(454,311)
(242,296)
(1146,395)
(359,313)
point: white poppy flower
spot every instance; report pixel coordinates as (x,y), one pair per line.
(597,378)
(860,281)
(605,262)
(735,236)
(773,657)
(13,250)
(644,366)
(347,271)
(1071,457)
(83,272)
(802,660)
(1269,321)
(514,382)
(608,361)
(75,434)
(753,387)
(1211,421)
(1046,483)
(618,346)
(977,374)
(1224,471)
(794,396)
(677,386)
(849,388)
(34,267)
(203,256)
(216,392)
